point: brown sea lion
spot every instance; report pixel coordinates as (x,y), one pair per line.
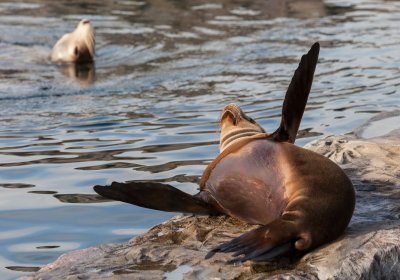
(77,46)
(300,198)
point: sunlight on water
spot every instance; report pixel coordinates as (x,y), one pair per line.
(149,106)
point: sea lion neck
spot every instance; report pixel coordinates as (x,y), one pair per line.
(84,32)
(235,136)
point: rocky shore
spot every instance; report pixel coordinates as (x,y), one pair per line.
(369,249)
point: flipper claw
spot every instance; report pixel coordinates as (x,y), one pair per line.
(255,245)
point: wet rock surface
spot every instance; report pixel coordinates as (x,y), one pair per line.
(369,249)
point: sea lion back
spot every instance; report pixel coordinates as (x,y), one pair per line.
(318,188)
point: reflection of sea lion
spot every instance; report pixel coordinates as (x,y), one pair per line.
(77,46)
(83,73)
(301,199)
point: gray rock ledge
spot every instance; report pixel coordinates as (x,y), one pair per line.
(369,249)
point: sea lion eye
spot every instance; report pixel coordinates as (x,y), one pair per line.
(76,50)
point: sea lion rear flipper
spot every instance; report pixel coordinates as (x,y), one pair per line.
(296,97)
(156,196)
(261,244)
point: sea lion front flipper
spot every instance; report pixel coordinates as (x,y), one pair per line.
(296,97)
(261,244)
(156,196)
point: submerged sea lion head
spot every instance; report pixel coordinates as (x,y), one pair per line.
(235,125)
(77,46)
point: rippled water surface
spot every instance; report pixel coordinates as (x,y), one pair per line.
(149,107)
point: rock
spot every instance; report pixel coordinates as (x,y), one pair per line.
(369,249)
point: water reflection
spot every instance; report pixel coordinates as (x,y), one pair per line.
(23,268)
(150,109)
(80,198)
(16,186)
(84,74)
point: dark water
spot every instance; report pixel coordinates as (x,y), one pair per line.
(149,108)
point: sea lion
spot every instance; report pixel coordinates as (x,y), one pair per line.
(300,198)
(77,46)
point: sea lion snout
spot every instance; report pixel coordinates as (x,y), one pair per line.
(235,125)
(236,114)
(85,21)
(233,112)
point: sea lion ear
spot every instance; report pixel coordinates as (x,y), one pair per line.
(296,97)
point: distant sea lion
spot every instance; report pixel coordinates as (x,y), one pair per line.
(77,46)
(300,198)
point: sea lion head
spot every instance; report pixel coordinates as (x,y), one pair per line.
(235,125)
(77,46)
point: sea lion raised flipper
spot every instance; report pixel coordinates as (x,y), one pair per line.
(156,196)
(296,97)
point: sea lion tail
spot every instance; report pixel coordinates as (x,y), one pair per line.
(261,244)
(156,196)
(296,97)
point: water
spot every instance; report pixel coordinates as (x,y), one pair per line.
(149,107)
